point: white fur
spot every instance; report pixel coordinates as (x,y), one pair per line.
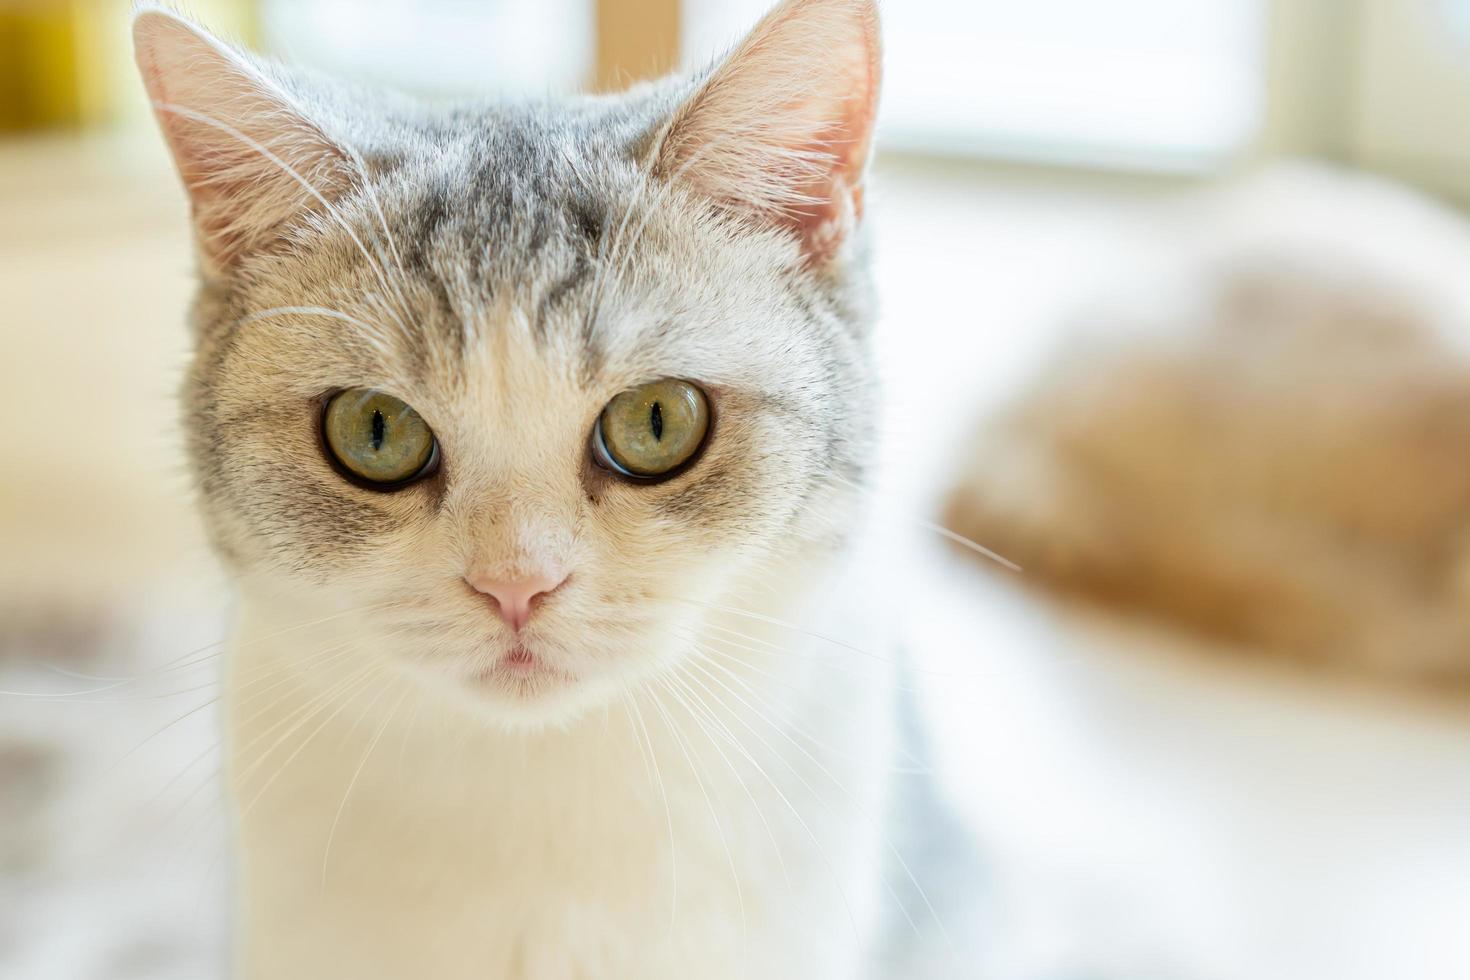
(412,836)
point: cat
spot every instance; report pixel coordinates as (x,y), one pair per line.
(1269,441)
(534,436)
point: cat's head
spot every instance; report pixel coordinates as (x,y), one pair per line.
(521,389)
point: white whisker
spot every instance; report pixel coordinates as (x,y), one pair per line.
(630,701)
(364,676)
(938,529)
(362,764)
(714,816)
(842,788)
(711,717)
(306,185)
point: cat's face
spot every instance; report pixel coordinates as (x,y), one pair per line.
(507,352)
(507,274)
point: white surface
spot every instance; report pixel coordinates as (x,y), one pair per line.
(439,47)
(1155,84)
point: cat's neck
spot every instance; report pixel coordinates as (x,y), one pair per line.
(374,792)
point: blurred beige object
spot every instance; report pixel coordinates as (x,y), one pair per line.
(1269,443)
(95,269)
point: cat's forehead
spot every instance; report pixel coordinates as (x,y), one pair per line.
(512,279)
(506,214)
(534,237)
(509,189)
(506,182)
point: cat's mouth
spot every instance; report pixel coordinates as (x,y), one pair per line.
(525,673)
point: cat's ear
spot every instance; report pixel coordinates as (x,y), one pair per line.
(250,159)
(781,129)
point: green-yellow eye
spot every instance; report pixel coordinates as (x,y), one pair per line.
(377,438)
(652,430)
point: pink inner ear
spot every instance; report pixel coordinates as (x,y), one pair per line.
(782,129)
(224,123)
(839,191)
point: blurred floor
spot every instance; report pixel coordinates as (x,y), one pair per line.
(1176,816)
(103,863)
(1160,807)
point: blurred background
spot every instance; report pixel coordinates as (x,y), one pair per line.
(1145,810)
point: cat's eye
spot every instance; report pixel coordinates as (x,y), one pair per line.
(377,440)
(653,430)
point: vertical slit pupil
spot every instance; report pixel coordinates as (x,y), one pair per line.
(380,426)
(656,420)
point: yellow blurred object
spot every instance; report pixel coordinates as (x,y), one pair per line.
(636,39)
(38,76)
(66,63)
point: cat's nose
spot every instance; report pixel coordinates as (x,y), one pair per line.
(516,599)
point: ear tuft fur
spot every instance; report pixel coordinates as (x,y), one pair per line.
(249,157)
(781,129)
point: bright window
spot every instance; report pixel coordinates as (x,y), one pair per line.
(1154,84)
(439,46)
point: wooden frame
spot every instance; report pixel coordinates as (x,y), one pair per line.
(635,40)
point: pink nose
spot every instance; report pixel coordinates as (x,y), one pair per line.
(516,599)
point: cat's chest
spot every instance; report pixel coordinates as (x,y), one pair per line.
(377,801)
(638,838)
